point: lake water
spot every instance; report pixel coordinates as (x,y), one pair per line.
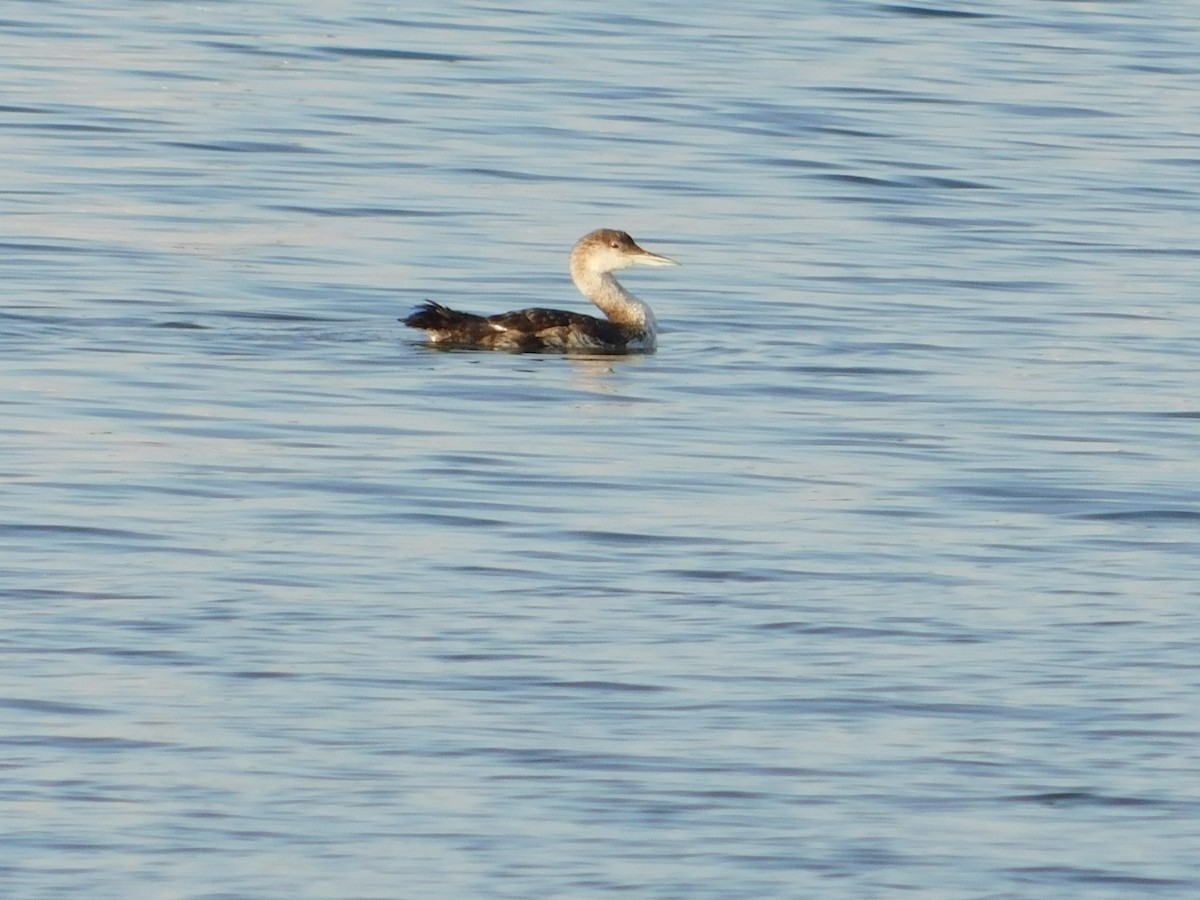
(881,577)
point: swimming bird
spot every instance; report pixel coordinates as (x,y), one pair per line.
(629,327)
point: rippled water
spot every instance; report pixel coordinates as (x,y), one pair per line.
(880,577)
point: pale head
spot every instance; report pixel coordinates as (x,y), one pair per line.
(610,250)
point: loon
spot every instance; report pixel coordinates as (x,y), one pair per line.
(629,328)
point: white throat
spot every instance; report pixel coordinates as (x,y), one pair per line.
(620,306)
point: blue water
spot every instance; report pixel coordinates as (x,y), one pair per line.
(880,578)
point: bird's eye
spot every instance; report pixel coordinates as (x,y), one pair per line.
(616,245)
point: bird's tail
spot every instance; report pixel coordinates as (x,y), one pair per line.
(432,316)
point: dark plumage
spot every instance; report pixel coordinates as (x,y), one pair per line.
(529,330)
(435,317)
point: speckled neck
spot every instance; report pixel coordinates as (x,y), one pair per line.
(620,306)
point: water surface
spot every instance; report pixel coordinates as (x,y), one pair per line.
(880,577)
